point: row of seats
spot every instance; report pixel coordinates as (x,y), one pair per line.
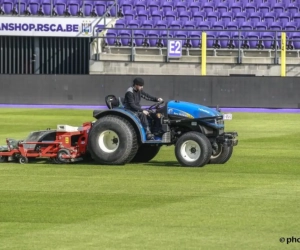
(192,39)
(98,8)
(57,7)
(205,25)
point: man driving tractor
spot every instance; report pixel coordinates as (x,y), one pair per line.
(132,101)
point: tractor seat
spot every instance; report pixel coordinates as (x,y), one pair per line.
(113,102)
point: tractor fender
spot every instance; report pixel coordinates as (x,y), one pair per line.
(129,116)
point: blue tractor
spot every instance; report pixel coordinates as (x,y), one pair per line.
(197,132)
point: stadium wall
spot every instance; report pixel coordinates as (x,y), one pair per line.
(260,92)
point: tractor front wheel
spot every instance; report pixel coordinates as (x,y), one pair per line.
(112,140)
(193,149)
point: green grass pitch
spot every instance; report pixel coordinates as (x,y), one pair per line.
(248,203)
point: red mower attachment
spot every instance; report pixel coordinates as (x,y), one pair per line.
(66,144)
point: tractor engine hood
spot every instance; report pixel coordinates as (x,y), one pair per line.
(190,110)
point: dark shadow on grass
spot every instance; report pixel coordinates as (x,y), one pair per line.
(161,164)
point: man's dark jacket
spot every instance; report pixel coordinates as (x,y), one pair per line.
(133,98)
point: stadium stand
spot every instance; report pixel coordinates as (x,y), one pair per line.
(144,26)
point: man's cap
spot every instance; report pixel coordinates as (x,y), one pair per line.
(138,81)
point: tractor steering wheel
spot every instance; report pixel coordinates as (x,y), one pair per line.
(155,106)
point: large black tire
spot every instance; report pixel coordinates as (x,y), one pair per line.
(222,155)
(113,141)
(146,153)
(193,149)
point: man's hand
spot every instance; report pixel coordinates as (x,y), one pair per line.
(159,99)
(145,112)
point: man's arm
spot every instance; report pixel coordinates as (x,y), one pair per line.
(148,97)
(130,102)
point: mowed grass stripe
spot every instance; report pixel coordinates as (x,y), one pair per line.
(248,203)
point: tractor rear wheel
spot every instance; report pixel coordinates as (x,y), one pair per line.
(222,155)
(193,149)
(146,153)
(112,140)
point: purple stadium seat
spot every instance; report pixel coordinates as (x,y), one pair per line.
(182,35)
(255,17)
(292,9)
(212,17)
(121,23)
(283,18)
(157,16)
(195,6)
(290,26)
(153,38)
(74,7)
(240,17)
(252,39)
(175,25)
(226,17)
(234,25)
(236,7)
(147,24)
(20,6)
(87,7)
(125,37)
(275,26)
(189,25)
(199,16)
(170,16)
(261,26)
(126,5)
(140,5)
(162,24)
(154,6)
(224,39)
(167,6)
(111,39)
(133,24)
(296,18)
(8,6)
(250,7)
(278,8)
(217,25)
(142,15)
(264,8)
(237,39)
(129,14)
(165,35)
(211,39)
(112,11)
(195,37)
(139,38)
(180,6)
(268,39)
(222,7)
(204,25)
(60,7)
(184,16)
(296,36)
(269,17)
(208,7)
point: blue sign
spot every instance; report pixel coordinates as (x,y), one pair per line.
(174,48)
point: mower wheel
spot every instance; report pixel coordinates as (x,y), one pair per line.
(112,140)
(23,160)
(3,159)
(193,149)
(222,155)
(146,153)
(60,154)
